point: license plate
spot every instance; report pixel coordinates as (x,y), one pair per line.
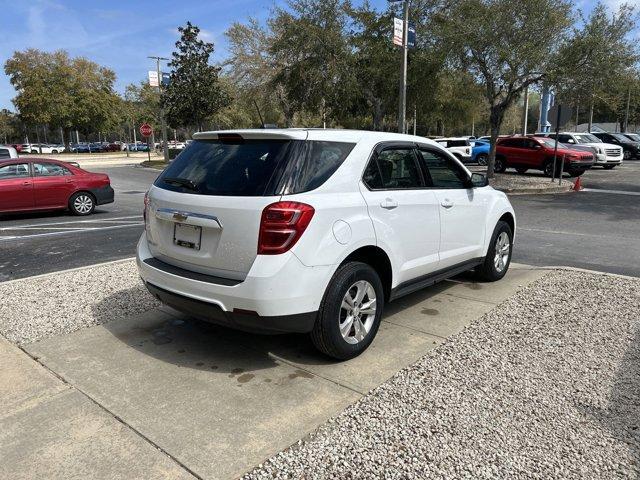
(187,236)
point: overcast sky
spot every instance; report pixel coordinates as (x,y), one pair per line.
(120,34)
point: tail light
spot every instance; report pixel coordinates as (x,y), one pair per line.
(281,226)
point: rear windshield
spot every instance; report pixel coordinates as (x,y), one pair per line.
(457,143)
(253,167)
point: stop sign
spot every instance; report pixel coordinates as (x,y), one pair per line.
(146,130)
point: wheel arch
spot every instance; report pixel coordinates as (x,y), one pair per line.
(378,259)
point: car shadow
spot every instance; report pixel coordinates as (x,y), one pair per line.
(621,416)
(179,339)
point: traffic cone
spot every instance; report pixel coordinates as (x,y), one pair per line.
(577,186)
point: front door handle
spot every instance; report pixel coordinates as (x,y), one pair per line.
(446,203)
(26,183)
(389,204)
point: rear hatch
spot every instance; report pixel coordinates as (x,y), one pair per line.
(204,211)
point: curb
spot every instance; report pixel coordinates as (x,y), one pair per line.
(58,272)
(586,270)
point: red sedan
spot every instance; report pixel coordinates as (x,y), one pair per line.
(43,184)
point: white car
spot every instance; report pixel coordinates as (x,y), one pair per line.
(7,152)
(607,154)
(42,148)
(459,146)
(313,231)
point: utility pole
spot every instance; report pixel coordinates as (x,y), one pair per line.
(403,85)
(626,113)
(525,113)
(163,124)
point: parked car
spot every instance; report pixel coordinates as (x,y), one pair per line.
(607,155)
(630,148)
(138,147)
(7,151)
(42,148)
(459,146)
(524,153)
(480,151)
(112,147)
(633,137)
(45,184)
(281,231)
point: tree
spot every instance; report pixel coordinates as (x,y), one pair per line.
(375,62)
(8,126)
(194,92)
(311,49)
(56,90)
(596,56)
(252,71)
(507,46)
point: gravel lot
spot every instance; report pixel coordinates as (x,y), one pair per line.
(80,298)
(547,385)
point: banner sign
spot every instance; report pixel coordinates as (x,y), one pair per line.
(411,35)
(153,78)
(398,31)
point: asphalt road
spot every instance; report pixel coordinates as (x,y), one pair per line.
(47,242)
(598,228)
(595,229)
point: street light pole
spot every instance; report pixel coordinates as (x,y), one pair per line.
(163,124)
(402,114)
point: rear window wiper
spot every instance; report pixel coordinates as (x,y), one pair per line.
(181,182)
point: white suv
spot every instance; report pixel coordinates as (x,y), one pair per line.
(313,231)
(459,146)
(607,154)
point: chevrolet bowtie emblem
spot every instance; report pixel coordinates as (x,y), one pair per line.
(180,217)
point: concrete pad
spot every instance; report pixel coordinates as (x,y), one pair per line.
(23,382)
(493,292)
(216,406)
(66,436)
(394,348)
(441,314)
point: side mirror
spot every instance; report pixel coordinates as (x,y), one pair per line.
(537,146)
(479,180)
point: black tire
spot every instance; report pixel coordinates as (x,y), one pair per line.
(547,168)
(326,335)
(521,170)
(626,155)
(54,151)
(609,167)
(82,203)
(500,165)
(575,173)
(488,270)
(482,159)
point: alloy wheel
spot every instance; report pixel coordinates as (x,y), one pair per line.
(357,312)
(83,204)
(502,252)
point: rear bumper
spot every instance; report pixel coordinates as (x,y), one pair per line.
(103,195)
(210,312)
(279,294)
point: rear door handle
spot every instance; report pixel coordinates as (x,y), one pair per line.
(389,204)
(446,203)
(26,183)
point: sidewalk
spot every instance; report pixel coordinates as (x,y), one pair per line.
(49,429)
(158,395)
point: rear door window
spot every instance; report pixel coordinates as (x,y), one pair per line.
(262,167)
(45,169)
(442,170)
